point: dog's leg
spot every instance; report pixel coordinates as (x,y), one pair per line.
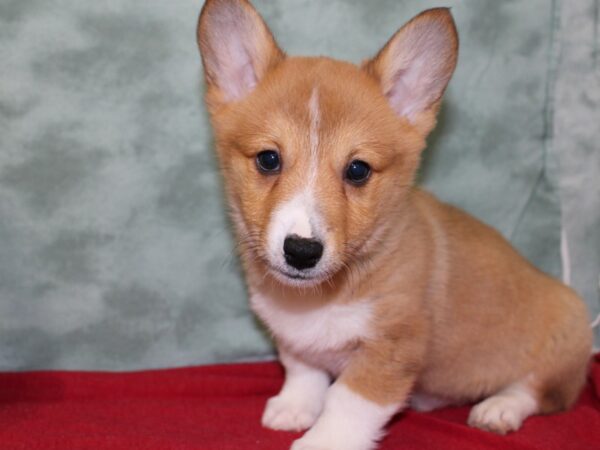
(349,422)
(301,399)
(359,404)
(505,411)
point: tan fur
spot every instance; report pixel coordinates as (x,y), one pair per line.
(458,312)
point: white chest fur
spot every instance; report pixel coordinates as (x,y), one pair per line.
(322,334)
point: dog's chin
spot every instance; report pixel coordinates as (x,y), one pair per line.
(294,278)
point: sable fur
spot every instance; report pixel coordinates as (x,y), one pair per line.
(457,312)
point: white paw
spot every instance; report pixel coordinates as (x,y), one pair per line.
(349,422)
(320,438)
(308,443)
(290,413)
(496,414)
(299,445)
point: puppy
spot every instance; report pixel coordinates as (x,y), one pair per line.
(377,295)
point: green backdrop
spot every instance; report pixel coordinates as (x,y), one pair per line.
(115,251)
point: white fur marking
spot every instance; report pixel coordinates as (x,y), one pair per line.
(329,328)
(292,217)
(315,118)
(301,399)
(506,410)
(349,421)
(299,214)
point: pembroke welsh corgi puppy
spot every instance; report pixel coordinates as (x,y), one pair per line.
(378,296)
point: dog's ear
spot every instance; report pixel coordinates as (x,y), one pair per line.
(237,48)
(416,64)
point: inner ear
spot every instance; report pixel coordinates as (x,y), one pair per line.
(416,64)
(237,47)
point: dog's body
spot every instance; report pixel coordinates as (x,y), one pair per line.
(361,277)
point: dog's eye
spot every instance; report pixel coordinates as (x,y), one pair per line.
(268,161)
(358,172)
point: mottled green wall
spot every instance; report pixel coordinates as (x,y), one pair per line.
(114,246)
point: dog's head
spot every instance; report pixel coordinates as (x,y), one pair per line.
(319,155)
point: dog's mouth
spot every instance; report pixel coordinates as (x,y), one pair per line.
(292,275)
(295,278)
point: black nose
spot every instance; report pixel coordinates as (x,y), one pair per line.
(302,253)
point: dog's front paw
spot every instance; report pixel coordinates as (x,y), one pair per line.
(290,413)
(333,439)
(308,443)
(300,445)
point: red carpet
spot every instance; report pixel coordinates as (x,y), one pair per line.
(219,408)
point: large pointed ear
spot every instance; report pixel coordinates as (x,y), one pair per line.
(416,64)
(237,48)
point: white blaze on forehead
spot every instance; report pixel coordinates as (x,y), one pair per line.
(315,118)
(302,208)
(298,215)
